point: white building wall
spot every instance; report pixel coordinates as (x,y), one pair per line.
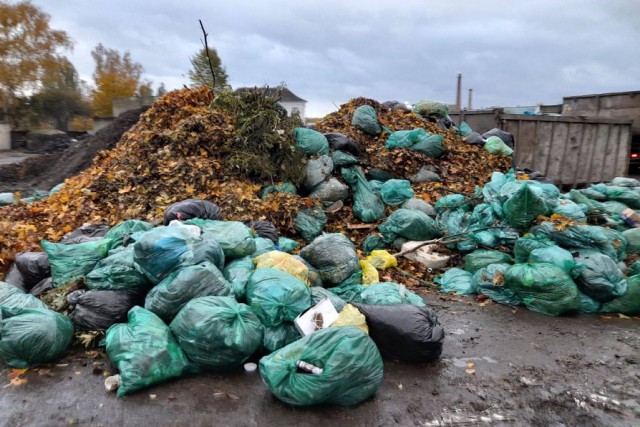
(291,106)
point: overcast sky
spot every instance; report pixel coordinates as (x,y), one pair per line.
(510,53)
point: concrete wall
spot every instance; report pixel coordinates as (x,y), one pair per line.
(5,136)
(618,106)
(480,121)
(122,104)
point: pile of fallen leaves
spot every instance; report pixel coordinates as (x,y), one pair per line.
(180,149)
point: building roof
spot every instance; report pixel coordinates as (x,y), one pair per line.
(285,94)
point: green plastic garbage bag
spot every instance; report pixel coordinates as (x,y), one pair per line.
(376,186)
(145,351)
(318,294)
(56,188)
(579,237)
(544,288)
(428,108)
(483,258)
(262,246)
(489,281)
(31,336)
(633,240)
(342,159)
(571,210)
(217,333)
(406,138)
(351,364)
(367,207)
(452,202)
(634,269)
(276,296)
(276,337)
(491,190)
(431,146)
(629,303)
(622,181)
(11,296)
(311,142)
(118,272)
(456,223)
(456,280)
(237,272)
(410,224)
(625,195)
(284,187)
(523,207)
(588,304)
(495,145)
(73,262)
(464,129)
(287,245)
(163,250)
(334,256)
(309,223)
(612,207)
(618,241)
(524,245)
(118,233)
(553,255)
(396,191)
(595,193)
(372,242)
(314,275)
(482,216)
(178,288)
(600,277)
(388,293)
(365,118)
(235,238)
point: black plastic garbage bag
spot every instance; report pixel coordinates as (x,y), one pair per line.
(342,142)
(506,137)
(404,332)
(217,333)
(474,138)
(192,208)
(34,266)
(31,336)
(145,351)
(178,288)
(264,229)
(334,256)
(12,296)
(163,250)
(543,288)
(352,368)
(600,277)
(97,310)
(45,285)
(276,296)
(86,233)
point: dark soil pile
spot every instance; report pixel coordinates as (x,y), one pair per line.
(45,171)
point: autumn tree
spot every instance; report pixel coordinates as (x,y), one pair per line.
(161,90)
(200,73)
(145,88)
(61,97)
(115,75)
(28,47)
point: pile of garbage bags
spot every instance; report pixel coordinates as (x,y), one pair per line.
(200,293)
(528,244)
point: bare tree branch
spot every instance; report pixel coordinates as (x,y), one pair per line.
(206,48)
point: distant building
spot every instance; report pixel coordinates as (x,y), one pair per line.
(289,101)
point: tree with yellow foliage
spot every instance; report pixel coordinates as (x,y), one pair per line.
(28,47)
(115,75)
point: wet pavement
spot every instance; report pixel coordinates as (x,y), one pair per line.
(500,366)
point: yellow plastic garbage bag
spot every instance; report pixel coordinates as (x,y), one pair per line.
(369,273)
(382,259)
(351,316)
(284,262)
